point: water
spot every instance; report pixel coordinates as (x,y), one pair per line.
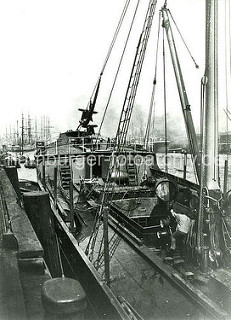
(176,165)
(29,174)
(24,173)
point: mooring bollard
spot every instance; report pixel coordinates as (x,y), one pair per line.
(63,298)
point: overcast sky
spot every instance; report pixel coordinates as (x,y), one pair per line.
(52,52)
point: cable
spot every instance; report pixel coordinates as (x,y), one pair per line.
(131,91)
(112,43)
(215,151)
(226,75)
(147,133)
(196,65)
(116,34)
(165,108)
(117,72)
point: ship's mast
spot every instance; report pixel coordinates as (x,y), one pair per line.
(22,142)
(36,129)
(210,133)
(29,129)
(209,220)
(17,134)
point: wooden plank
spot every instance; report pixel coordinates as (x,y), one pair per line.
(223,277)
(189,290)
(202,299)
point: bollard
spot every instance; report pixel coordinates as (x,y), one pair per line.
(63,298)
(38,208)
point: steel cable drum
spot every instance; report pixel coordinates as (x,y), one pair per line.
(166,190)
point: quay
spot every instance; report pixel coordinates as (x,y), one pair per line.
(22,267)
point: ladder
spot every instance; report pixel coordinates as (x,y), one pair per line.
(113,244)
(128,104)
(65,176)
(132,172)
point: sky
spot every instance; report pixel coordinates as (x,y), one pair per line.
(52,52)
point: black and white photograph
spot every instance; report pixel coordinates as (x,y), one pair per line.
(115,159)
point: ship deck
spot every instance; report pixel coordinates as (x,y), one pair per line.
(139,275)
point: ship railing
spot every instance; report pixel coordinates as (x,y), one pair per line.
(89,146)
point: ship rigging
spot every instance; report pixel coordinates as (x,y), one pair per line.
(140,203)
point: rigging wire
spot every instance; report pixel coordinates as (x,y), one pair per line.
(202,103)
(200,234)
(97,222)
(165,107)
(118,69)
(204,81)
(92,239)
(153,124)
(190,137)
(113,155)
(229,40)
(215,27)
(147,133)
(131,91)
(112,43)
(116,148)
(151,109)
(116,33)
(226,73)
(187,118)
(196,65)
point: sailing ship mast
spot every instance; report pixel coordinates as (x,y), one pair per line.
(209,217)
(211,97)
(29,129)
(22,141)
